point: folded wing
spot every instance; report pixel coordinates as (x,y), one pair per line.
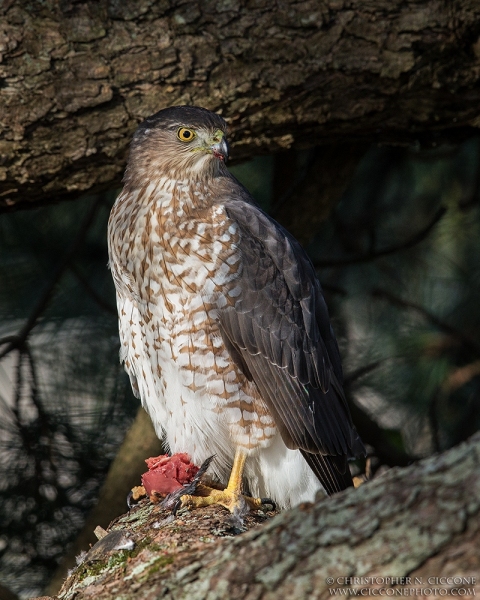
(278,332)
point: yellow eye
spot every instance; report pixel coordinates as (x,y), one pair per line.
(185,135)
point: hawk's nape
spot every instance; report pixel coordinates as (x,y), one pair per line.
(224,329)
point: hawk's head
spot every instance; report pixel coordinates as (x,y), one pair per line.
(179,142)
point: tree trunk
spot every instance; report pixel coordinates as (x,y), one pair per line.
(419,522)
(76,78)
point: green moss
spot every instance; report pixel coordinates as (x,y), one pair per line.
(139,516)
(90,569)
(94,568)
(139,546)
(119,559)
(113,561)
(160,563)
(156,547)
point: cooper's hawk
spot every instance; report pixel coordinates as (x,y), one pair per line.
(224,329)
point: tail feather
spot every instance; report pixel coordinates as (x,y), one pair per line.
(332,471)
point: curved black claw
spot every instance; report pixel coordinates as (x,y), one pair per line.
(130,504)
(177,506)
(269,501)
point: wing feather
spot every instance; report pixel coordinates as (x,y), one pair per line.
(278,332)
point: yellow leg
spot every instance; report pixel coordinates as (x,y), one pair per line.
(231,497)
(236,476)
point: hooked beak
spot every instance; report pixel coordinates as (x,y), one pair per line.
(220,149)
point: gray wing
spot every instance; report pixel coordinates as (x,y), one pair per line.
(278,332)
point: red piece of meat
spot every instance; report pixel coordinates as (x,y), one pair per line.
(168,473)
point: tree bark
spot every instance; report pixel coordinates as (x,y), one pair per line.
(419,522)
(76,78)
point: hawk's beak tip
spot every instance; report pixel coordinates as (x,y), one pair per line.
(220,150)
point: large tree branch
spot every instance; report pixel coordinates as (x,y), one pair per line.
(421,521)
(76,77)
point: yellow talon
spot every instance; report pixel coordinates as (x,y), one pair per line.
(231,497)
(233,501)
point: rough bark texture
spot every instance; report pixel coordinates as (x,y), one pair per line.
(422,521)
(76,77)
